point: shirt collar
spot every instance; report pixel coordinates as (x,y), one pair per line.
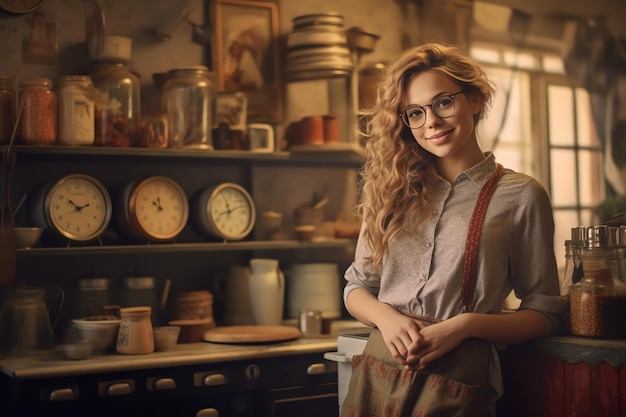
(480,173)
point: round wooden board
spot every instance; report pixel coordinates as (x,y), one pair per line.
(251,334)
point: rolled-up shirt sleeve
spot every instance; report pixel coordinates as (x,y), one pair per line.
(534,273)
(360,273)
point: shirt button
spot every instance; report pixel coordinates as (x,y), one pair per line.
(429,244)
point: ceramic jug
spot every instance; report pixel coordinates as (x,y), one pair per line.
(25,322)
(267,291)
(232,289)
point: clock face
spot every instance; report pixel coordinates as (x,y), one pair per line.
(21,6)
(231,211)
(78,207)
(158,208)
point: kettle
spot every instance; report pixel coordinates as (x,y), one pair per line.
(25,325)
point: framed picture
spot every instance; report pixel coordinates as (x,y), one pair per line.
(246,55)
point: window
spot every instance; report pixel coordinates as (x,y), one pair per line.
(541,124)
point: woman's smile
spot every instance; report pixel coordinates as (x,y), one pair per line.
(439,137)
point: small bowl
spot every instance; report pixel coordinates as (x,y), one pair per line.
(304,233)
(81,349)
(27,237)
(102,332)
(165,337)
(192,331)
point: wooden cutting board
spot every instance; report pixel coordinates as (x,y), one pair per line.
(251,334)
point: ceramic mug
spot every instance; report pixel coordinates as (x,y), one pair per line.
(261,137)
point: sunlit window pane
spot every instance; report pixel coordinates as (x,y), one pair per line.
(587,134)
(520,60)
(589,176)
(563,177)
(487,55)
(511,158)
(564,220)
(553,64)
(560,116)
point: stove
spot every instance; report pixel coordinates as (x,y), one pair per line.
(350,343)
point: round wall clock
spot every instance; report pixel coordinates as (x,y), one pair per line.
(155,208)
(77,207)
(226,211)
(21,6)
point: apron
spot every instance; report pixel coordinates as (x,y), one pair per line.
(454,385)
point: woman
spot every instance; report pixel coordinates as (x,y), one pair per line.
(430,285)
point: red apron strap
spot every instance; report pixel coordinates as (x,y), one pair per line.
(473,238)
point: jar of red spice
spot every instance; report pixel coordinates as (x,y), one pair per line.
(7,108)
(38,120)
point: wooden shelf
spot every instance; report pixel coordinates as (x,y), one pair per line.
(185,247)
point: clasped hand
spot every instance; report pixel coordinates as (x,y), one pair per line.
(416,344)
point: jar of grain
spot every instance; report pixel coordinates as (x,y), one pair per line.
(598,301)
(8,106)
(76,110)
(117,105)
(38,120)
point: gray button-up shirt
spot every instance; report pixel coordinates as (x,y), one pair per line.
(421,275)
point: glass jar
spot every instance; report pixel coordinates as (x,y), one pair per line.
(135,335)
(140,291)
(187,102)
(8,106)
(598,301)
(38,120)
(92,296)
(117,104)
(76,110)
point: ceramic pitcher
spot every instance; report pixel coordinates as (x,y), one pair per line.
(267,291)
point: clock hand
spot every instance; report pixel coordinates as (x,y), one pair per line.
(78,208)
(157,205)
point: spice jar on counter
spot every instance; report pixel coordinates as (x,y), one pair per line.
(598,301)
(38,120)
(8,105)
(187,101)
(76,110)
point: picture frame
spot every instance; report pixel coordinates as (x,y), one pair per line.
(246,55)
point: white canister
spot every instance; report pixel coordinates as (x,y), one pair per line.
(75,97)
(314,286)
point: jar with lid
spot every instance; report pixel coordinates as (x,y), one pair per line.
(38,120)
(92,296)
(76,110)
(598,300)
(135,335)
(187,102)
(117,104)
(8,106)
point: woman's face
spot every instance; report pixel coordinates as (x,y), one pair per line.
(448,136)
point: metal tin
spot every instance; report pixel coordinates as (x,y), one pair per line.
(310,322)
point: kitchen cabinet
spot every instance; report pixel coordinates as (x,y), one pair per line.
(190,261)
(565,376)
(283,380)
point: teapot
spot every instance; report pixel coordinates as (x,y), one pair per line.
(25,325)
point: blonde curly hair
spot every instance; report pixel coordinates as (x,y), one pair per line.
(398,175)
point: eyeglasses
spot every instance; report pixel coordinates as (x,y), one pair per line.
(414,117)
